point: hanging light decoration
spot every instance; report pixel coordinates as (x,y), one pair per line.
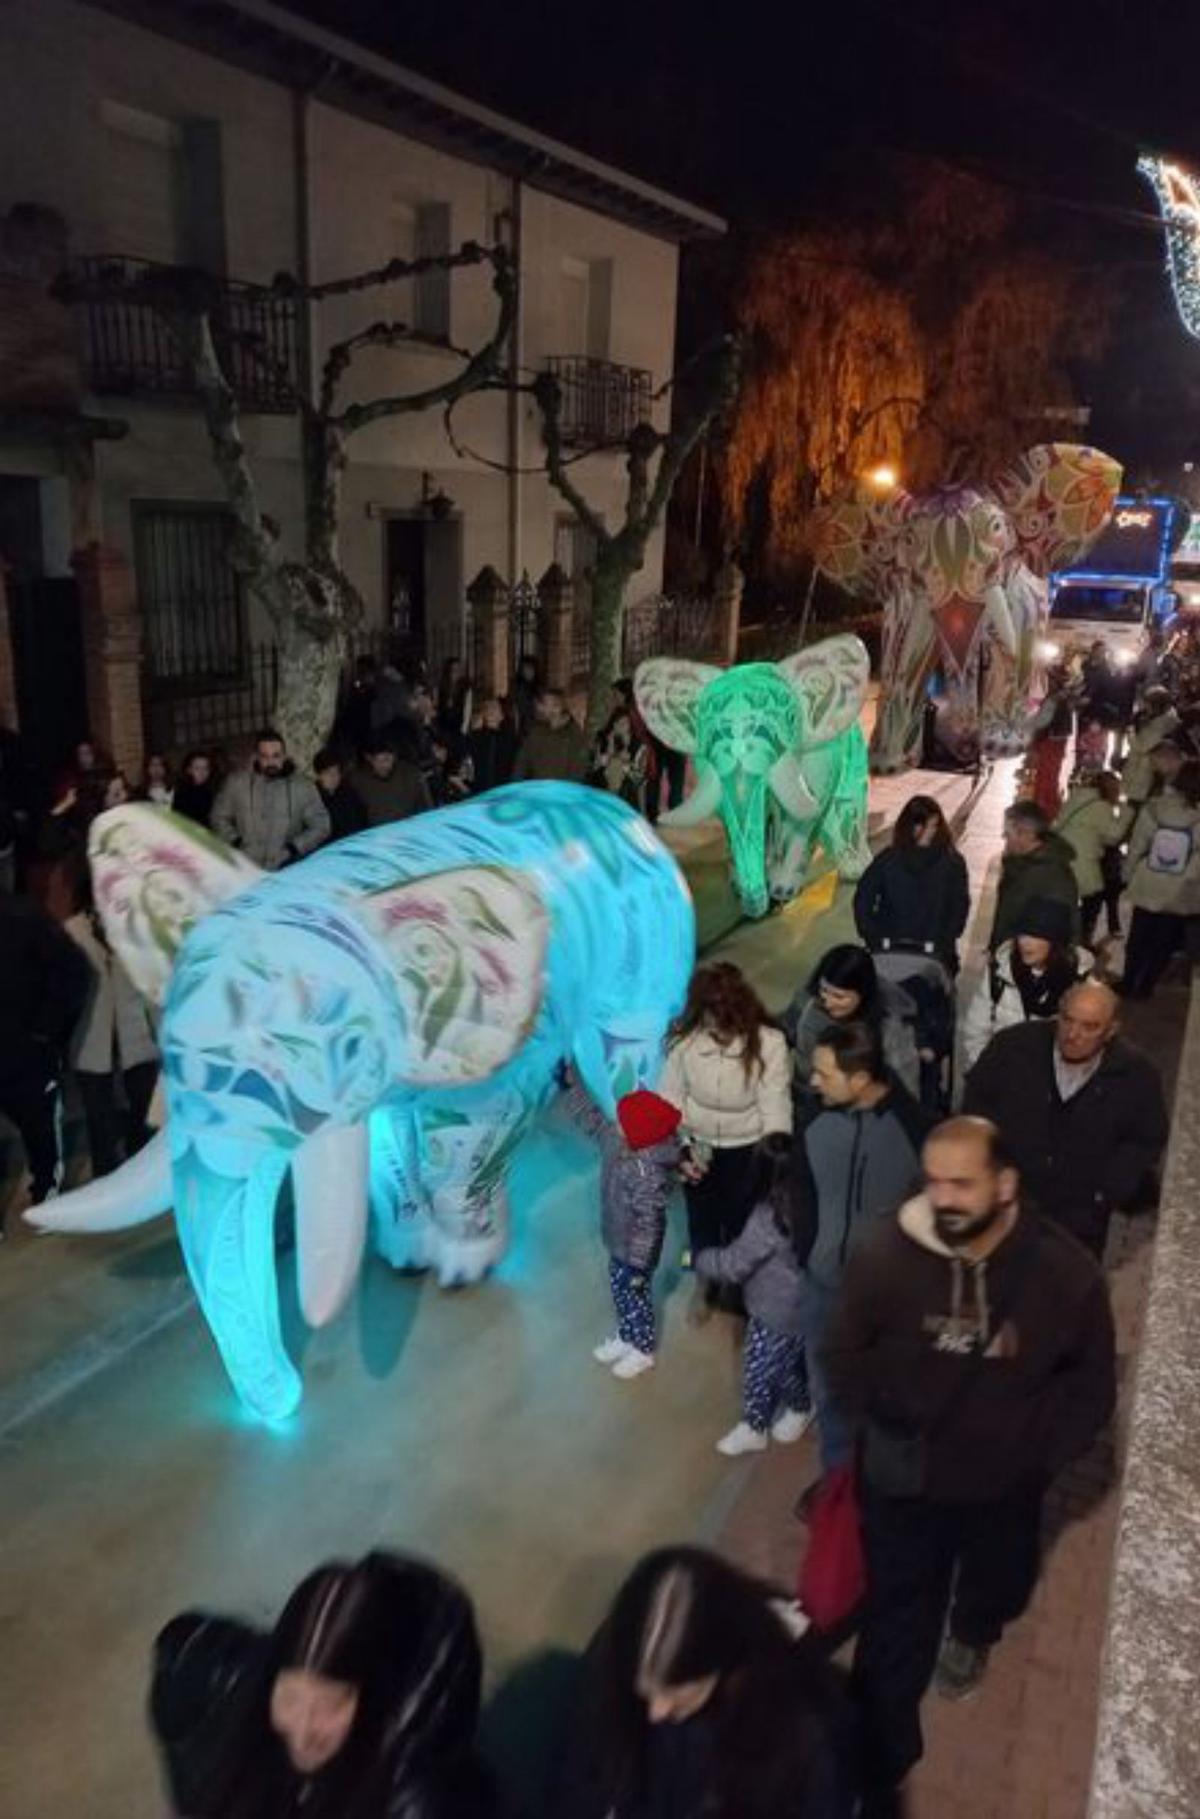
(1178,195)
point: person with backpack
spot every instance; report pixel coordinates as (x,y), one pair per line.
(1163,878)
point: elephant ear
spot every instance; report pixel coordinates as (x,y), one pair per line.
(1059,497)
(668,691)
(830,681)
(855,540)
(154,876)
(467,951)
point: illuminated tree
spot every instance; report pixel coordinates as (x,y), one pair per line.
(925,336)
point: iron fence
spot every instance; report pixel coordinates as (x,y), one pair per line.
(602,403)
(219,716)
(581,631)
(524,624)
(671,626)
(130,350)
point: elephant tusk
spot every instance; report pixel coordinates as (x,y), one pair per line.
(703,803)
(132,1195)
(790,789)
(330,1176)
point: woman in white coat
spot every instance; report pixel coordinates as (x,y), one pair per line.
(728,1072)
(114,1036)
(1025,977)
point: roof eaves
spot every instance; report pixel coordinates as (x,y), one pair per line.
(286,48)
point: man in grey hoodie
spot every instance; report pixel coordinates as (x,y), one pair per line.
(856,1162)
(269,810)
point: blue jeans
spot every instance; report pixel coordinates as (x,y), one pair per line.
(833,1432)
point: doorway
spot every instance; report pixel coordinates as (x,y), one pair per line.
(423,586)
(46,634)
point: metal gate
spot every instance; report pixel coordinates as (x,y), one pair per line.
(194,620)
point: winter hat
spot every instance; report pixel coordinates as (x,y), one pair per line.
(1049,920)
(645,1119)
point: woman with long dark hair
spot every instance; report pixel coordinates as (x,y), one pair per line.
(844,987)
(701,1701)
(196,788)
(362,1703)
(916,891)
(727,1073)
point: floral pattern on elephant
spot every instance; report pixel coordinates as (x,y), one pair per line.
(779,756)
(382,1020)
(947,568)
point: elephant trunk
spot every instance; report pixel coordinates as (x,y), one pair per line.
(744,811)
(227,1230)
(132,1195)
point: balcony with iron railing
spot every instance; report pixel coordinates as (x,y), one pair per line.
(602,402)
(130,351)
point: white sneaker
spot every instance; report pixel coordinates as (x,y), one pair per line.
(742,1439)
(792,1425)
(633,1364)
(611,1351)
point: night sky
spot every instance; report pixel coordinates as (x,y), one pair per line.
(762,122)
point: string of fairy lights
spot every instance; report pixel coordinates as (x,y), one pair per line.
(1178,194)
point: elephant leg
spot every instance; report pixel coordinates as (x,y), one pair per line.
(465,1152)
(909,650)
(401,1225)
(846,837)
(227,1230)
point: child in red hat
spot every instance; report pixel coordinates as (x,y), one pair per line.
(639,1160)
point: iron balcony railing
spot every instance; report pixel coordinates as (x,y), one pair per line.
(601,403)
(130,350)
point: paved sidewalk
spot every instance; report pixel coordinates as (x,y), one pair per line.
(1023,1748)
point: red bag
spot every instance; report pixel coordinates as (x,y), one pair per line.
(833,1573)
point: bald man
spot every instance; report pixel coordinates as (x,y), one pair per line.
(1082,1111)
(973,1353)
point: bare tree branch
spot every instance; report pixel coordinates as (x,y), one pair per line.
(223,421)
(548,394)
(394,272)
(716,401)
(481,367)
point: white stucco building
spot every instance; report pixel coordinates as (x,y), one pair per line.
(238,137)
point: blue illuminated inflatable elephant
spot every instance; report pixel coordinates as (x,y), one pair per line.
(384,1020)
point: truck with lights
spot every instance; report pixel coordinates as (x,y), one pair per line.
(1120,591)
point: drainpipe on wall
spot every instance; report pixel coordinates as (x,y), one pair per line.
(515,353)
(301,157)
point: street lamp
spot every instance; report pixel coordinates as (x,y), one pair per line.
(884,477)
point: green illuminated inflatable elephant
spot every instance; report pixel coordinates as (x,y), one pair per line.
(779,756)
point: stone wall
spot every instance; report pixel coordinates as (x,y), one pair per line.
(39,364)
(1148,1750)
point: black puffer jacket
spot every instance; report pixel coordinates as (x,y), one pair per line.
(44,984)
(411,1757)
(913,895)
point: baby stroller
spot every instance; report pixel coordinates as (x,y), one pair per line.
(917,968)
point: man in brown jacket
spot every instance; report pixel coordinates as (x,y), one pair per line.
(554,746)
(973,1350)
